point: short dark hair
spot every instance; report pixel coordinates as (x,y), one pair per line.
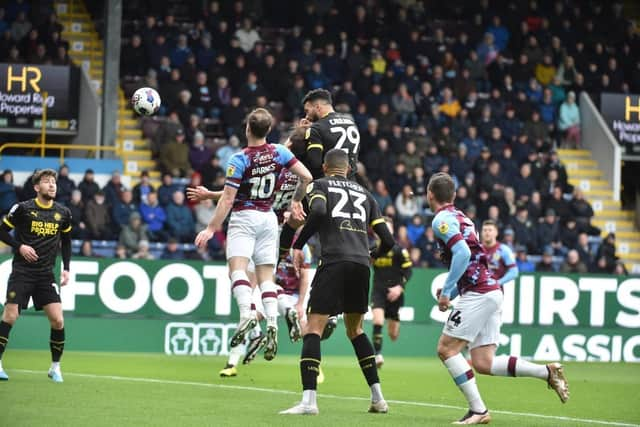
(298,141)
(490,222)
(317,95)
(41,173)
(260,121)
(442,186)
(336,158)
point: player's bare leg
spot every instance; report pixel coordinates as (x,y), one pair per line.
(486,362)
(378,337)
(56,341)
(9,316)
(264,274)
(366,359)
(310,358)
(449,351)
(242,290)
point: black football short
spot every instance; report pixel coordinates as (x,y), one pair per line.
(42,288)
(379,300)
(341,287)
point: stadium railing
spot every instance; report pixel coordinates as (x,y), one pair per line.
(597,137)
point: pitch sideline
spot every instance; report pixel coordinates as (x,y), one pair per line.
(326,396)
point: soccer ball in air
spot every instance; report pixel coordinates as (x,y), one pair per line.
(145,101)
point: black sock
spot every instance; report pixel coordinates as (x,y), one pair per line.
(377,338)
(310,361)
(56,344)
(5,328)
(366,358)
(286,239)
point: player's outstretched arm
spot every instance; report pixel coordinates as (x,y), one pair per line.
(510,261)
(386,239)
(201,193)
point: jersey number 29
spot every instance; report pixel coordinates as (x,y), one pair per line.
(351,133)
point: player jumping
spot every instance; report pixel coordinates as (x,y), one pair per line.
(476,318)
(391,272)
(253,227)
(42,226)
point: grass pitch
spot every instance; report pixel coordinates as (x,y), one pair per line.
(125,389)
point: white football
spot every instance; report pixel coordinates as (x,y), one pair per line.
(145,101)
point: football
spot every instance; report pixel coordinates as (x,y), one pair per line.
(145,101)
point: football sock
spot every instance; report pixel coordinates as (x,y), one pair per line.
(462,375)
(56,344)
(270,302)
(235,353)
(510,366)
(366,358)
(286,239)
(377,338)
(310,364)
(283,303)
(5,328)
(241,289)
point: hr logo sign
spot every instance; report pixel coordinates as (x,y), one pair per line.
(195,339)
(27,74)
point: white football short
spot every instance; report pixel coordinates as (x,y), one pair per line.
(254,235)
(476,318)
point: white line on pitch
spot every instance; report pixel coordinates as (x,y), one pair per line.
(328,396)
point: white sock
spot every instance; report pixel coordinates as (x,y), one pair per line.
(510,366)
(241,289)
(376,392)
(55,366)
(235,353)
(282,304)
(309,398)
(462,375)
(270,302)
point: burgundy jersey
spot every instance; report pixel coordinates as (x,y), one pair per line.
(285,188)
(254,172)
(500,258)
(286,276)
(451,226)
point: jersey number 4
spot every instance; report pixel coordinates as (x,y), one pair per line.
(262,186)
(351,133)
(338,209)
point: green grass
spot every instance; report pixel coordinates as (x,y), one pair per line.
(188,392)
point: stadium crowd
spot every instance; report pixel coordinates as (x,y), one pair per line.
(483,90)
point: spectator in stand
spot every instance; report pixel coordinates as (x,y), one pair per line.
(166,190)
(545,71)
(620,269)
(212,172)
(143,251)
(403,105)
(415,229)
(199,153)
(98,219)
(381,195)
(559,205)
(155,217)
(247,35)
(569,121)
(65,186)
(573,264)
(410,157)
(113,189)
(203,213)
(179,218)
(585,251)
(86,250)
(429,248)
(522,262)
(123,209)
(204,98)
(8,195)
(524,229)
(449,105)
(380,161)
(549,233)
(77,208)
(583,212)
(142,188)
(20,27)
(172,250)
(546,263)
(607,250)
(524,183)
(136,64)
(407,205)
(132,233)
(174,156)
(88,187)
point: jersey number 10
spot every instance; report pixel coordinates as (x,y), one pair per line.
(262,186)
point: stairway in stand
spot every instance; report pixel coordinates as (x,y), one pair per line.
(609,216)
(86,50)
